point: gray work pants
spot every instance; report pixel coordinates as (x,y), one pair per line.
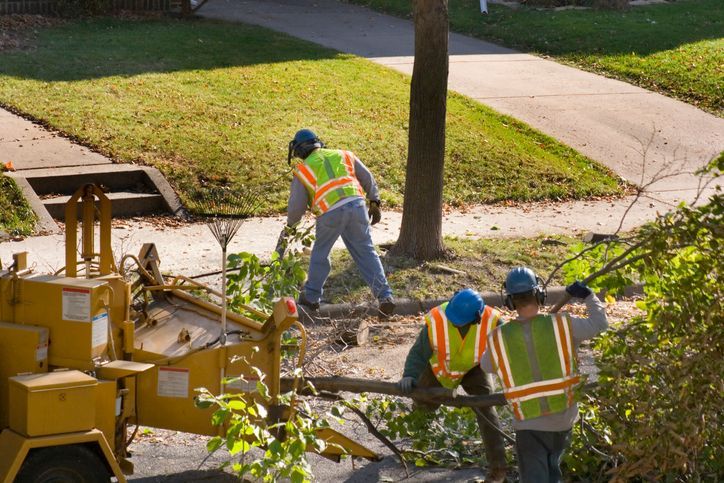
(539,455)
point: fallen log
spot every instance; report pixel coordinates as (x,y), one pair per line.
(431,395)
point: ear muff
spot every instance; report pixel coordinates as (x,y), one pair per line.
(290,153)
(541,294)
(507,298)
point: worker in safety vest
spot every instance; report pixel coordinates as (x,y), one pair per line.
(535,359)
(447,353)
(334,184)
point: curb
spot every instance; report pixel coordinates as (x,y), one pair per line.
(415,307)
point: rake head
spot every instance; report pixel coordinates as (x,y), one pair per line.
(223,202)
(227,209)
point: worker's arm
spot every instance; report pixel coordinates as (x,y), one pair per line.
(589,327)
(365,178)
(419,356)
(298,202)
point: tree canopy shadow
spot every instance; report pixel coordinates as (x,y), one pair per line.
(105,47)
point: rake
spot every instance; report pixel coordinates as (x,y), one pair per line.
(227,210)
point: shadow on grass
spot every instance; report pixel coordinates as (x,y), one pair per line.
(105,47)
(638,30)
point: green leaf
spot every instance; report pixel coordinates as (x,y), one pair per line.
(203,403)
(220,416)
(214,443)
(237,405)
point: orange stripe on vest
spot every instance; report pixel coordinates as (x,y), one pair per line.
(543,388)
(336,183)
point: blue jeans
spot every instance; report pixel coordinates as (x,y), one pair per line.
(351,223)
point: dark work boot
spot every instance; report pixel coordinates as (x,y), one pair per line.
(306,303)
(387,307)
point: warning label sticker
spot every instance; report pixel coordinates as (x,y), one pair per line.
(173,382)
(76,304)
(99,333)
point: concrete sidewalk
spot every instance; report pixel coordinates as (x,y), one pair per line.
(190,249)
(30,146)
(608,120)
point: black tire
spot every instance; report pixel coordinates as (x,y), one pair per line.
(63,464)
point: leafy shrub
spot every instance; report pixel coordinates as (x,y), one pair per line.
(261,448)
(658,403)
(250,282)
(445,436)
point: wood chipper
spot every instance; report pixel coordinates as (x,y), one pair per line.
(90,350)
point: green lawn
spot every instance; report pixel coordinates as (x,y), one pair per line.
(16,217)
(676,48)
(214,104)
(485,262)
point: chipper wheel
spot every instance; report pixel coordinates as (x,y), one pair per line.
(63,464)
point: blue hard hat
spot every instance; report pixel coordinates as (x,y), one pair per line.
(304,142)
(521,280)
(464,307)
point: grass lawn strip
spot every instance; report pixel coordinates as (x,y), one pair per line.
(213,104)
(16,216)
(676,48)
(485,263)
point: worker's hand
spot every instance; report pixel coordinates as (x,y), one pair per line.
(578,289)
(374,212)
(405,384)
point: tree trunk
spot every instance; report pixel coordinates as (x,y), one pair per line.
(421,231)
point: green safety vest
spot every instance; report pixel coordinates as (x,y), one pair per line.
(536,363)
(328,175)
(452,355)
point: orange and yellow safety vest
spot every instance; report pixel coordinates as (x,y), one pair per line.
(452,355)
(536,363)
(328,175)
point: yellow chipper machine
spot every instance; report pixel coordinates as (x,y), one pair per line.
(91,350)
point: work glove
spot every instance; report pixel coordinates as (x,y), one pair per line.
(374,212)
(405,384)
(579,290)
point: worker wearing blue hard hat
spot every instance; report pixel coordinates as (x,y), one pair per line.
(447,353)
(534,356)
(334,184)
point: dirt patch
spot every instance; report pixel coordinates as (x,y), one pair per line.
(18,30)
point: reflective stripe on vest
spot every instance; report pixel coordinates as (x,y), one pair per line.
(453,356)
(329,177)
(535,361)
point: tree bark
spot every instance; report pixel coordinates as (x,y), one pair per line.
(421,230)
